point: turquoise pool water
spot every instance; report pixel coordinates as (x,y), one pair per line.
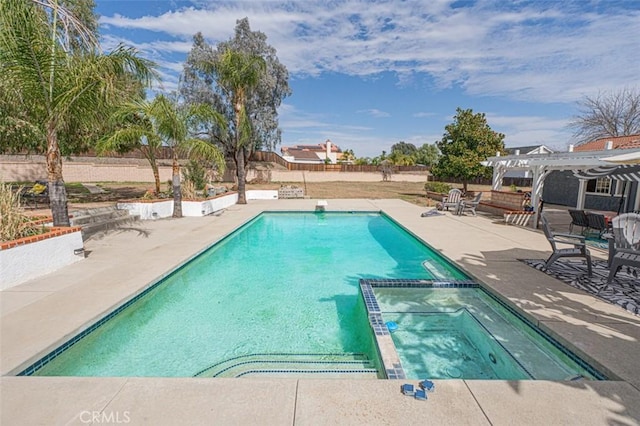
(446,333)
(286,283)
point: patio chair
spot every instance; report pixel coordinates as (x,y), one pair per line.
(596,222)
(469,205)
(579,248)
(578,218)
(624,243)
(452,199)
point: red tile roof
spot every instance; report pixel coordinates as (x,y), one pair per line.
(619,142)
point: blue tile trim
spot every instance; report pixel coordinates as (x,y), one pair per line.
(291,359)
(294,371)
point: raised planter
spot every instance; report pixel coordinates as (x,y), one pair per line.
(30,257)
(157,209)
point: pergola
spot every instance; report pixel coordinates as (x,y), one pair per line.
(585,165)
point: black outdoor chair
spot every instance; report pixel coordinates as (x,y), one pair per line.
(578,218)
(597,222)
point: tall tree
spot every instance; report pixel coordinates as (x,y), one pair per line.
(52,89)
(427,155)
(403,147)
(466,142)
(202,82)
(607,114)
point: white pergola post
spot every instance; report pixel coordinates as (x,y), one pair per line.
(539,174)
(499,171)
(582,191)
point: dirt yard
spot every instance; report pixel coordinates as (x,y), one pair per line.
(412,192)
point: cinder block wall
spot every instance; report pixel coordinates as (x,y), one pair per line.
(88,169)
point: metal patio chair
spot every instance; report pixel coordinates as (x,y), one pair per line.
(597,222)
(578,218)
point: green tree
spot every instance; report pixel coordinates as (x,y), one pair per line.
(50,91)
(163,122)
(427,155)
(362,161)
(238,74)
(397,158)
(404,148)
(347,156)
(466,142)
(203,81)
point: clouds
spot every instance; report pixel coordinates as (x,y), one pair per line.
(527,52)
(532,52)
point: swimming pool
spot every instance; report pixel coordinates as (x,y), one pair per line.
(279,295)
(283,296)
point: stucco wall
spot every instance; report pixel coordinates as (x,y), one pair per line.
(22,169)
(88,169)
(24,262)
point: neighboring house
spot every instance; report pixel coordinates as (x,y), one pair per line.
(602,193)
(312,153)
(525,150)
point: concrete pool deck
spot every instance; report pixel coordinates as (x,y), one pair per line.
(41,314)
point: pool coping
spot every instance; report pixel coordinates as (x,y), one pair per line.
(601,329)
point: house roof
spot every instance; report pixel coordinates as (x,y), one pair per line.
(527,149)
(302,154)
(619,142)
(321,147)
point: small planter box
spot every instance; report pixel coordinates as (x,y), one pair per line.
(289,192)
(158,209)
(31,257)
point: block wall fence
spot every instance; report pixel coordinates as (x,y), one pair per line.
(90,169)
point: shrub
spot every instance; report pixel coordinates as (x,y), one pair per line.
(195,173)
(14,223)
(188,190)
(440,187)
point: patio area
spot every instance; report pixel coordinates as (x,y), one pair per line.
(39,315)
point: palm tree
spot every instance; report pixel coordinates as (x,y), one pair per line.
(136,131)
(162,122)
(238,74)
(54,88)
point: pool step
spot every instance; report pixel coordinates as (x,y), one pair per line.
(294,365)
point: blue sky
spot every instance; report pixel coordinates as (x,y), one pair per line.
(367,74)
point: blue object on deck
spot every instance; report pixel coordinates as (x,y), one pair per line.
(420,395)
(391,326)
(407,389)
(428,385)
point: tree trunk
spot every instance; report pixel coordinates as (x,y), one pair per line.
(177,193)
(156,177)
(57,191)
(240,173)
